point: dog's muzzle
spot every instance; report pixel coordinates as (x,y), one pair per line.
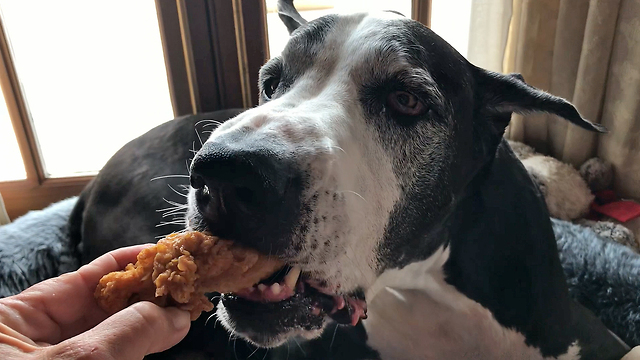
(250,191)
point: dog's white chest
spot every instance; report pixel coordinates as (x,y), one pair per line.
(415,314)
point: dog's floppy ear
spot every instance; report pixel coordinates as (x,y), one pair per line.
(509,93)
(289,15)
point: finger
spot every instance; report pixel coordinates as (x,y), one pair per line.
(112,261)
(141,329)
(59,308)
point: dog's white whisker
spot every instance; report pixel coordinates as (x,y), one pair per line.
(176,191)
(333,338)
(235,341)
(300,347)
(352,192)
(208,122)
(172,213)
(209,318)
(180,218)
(169,176)
(168,209)
(253,352)
(181,213)
(175,207)
(176,204)
(199,138)
(339,148)
(177,222)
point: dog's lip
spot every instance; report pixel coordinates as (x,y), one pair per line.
(345,309)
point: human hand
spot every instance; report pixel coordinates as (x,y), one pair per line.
(59,318)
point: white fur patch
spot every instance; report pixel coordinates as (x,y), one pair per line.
(415,314)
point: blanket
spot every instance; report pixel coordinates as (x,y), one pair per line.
(36,247)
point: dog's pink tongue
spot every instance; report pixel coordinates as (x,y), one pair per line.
(355,309)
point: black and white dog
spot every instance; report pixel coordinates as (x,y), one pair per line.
(375,168)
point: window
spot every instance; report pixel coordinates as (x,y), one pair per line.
(81,78)
(451,20)
(90,86)
(11,165)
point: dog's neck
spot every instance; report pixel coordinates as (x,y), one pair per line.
(489,268)
(415,314)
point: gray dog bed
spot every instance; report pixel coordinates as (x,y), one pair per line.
(602,275)
(36,247)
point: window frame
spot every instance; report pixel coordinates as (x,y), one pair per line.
(36,191)
(206,71)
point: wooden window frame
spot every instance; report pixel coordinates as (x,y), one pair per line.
(36,191)
(421,11)
(213,50)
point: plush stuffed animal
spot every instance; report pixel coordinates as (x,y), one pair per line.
(521,150)
(597,173)
(569,192)
(566,193)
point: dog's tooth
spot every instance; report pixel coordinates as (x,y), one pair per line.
(292,277)
(275,289)
(261,287)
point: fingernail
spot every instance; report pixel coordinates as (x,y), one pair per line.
(181,319)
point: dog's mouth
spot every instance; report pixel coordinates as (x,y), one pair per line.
(289,302)
(289,283)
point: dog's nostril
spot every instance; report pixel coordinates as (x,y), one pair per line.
(196,181)
(246,195)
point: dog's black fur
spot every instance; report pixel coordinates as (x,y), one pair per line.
(139,181)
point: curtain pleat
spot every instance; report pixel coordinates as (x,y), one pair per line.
(587,51)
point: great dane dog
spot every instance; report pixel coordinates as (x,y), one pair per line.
(375,167)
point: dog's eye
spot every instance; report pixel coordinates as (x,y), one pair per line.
(405,103)
(270,85)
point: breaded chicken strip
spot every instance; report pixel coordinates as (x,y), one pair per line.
(180,269)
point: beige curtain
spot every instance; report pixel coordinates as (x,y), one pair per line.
(587,51)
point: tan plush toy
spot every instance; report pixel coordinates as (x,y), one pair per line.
(566,193)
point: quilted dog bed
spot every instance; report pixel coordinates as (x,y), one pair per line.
(602,275)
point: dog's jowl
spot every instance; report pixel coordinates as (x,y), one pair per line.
(375,168)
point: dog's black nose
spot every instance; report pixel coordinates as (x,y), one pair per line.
(244,177)
(246,192)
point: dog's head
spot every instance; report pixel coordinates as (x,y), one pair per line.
(368,129)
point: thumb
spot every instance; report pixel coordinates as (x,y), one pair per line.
(138,330)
